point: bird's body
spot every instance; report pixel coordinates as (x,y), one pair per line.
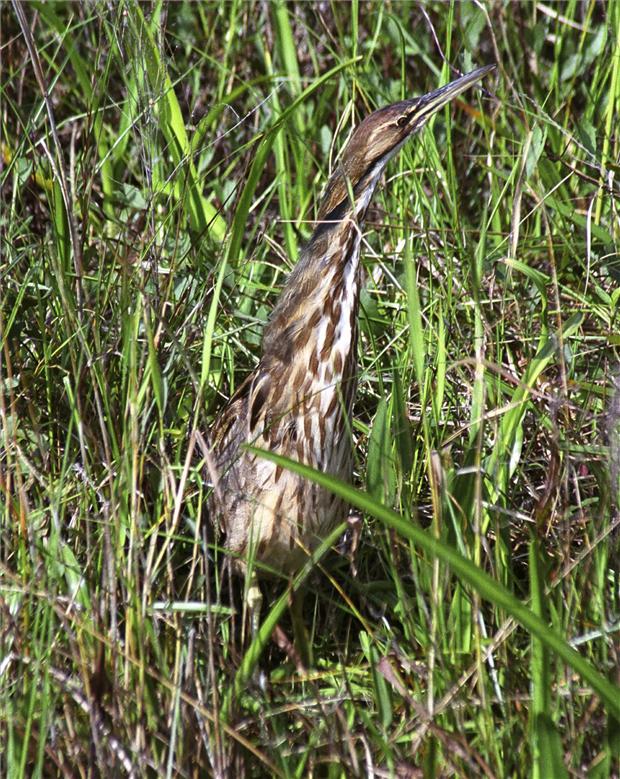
(298,401)
(295,403)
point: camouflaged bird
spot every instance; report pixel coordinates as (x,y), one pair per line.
(298,401)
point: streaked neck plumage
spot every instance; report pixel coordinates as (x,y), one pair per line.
(325,281)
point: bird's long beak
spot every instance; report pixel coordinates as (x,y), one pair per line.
(423,107)
(379,137)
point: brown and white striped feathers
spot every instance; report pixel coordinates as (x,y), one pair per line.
(298,400)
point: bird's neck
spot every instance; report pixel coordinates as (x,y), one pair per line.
(320,299)
(321,294)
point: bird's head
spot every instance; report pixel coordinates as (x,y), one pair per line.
(379,137)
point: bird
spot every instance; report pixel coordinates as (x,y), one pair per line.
(298,401)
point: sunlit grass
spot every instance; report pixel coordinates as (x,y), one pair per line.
(190,142)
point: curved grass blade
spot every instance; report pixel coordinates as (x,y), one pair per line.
(487,587)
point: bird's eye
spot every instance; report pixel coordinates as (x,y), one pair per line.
(402,120)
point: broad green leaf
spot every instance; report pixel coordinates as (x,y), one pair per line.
(534,150)
(551,749)
(382,690)
(380,471)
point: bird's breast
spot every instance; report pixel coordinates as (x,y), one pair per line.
(298,404)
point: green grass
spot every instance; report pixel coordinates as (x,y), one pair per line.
(161,165)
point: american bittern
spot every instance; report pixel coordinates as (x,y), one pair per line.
(298,400)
